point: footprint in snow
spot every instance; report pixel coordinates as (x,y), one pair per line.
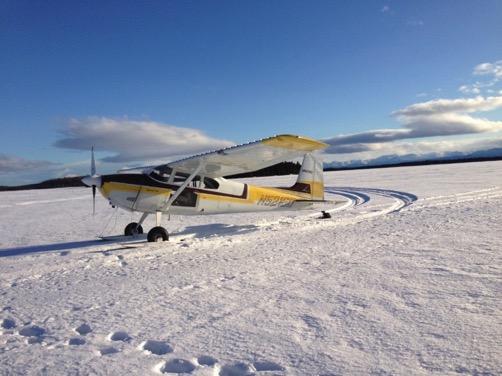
(120,260)
(108,350)
(76,341)
(265,365)
(33,340)
(236,369)
(206,360)
(244,369)
(31,331)
(119,336)
(176,366)
(8,324)
(83,329)
(155,347)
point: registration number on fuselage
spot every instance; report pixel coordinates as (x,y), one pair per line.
(269,200)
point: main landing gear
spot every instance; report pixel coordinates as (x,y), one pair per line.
(133,229)
(156,234)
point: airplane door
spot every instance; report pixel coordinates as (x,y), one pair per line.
(149,200)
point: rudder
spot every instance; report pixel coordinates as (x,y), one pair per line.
(311,178)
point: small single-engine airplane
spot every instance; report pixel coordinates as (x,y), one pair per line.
(195,185)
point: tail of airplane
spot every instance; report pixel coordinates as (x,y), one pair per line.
(311,178)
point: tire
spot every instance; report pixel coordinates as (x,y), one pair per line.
(133,229)
(158,234)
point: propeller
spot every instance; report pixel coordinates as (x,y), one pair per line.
(93,163)
(93,180)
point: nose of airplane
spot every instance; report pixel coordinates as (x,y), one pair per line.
(94,180)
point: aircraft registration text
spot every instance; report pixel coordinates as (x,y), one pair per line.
(270,200)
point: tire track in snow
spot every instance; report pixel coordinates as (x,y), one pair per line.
(360,196)
(357,198)
(457,198)
(469,193)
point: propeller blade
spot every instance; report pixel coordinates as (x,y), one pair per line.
(93,163)
(93,199)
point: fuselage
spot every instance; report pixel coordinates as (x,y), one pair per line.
(150,193)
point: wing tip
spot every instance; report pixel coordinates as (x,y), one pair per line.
(292,141)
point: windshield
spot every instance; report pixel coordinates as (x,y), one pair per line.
(164,176)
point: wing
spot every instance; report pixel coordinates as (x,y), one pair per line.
(247,157)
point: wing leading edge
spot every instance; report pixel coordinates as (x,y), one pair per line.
(247,157)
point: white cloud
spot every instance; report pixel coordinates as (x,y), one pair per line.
(422,147)
(135,140)
(469,89)
(493,73)
(385,9)
(477,87)
(441,106)
(489,69)
(441,117)
(12,164)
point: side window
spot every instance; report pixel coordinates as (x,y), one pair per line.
(186,198)
(196,182)
(211,183)
(159,176)
(180,177)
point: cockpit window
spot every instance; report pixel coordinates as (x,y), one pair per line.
(207,183)
(157,175)
(211,183)
(165,175)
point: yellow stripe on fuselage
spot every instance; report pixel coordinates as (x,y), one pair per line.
(109,187)
(255,193)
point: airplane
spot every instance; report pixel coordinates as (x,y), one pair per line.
(196,185)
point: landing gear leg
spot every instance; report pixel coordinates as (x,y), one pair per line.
(158,233)
(134,228)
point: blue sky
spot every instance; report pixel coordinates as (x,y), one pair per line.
(207,74)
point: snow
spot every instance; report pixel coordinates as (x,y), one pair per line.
(405,278)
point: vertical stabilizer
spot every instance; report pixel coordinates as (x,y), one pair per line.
(310,179)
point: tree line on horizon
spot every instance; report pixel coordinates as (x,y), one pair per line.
(283,168)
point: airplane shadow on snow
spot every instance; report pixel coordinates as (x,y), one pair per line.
(59,247)
(205,231)
(199,231)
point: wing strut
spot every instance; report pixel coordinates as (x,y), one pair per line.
(175,195)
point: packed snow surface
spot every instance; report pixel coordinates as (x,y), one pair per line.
(405,278)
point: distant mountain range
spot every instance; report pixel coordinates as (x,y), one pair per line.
(407,159)
(285,168)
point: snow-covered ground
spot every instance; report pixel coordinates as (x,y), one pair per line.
(404,279)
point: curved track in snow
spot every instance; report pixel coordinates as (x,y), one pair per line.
(359,196)
(369,203)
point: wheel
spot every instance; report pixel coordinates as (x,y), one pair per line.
(158,234)
(325,215)
(133,229)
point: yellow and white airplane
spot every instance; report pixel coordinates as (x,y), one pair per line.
(195,185)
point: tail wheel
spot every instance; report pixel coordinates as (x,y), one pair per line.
(133,229)
(158,234)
